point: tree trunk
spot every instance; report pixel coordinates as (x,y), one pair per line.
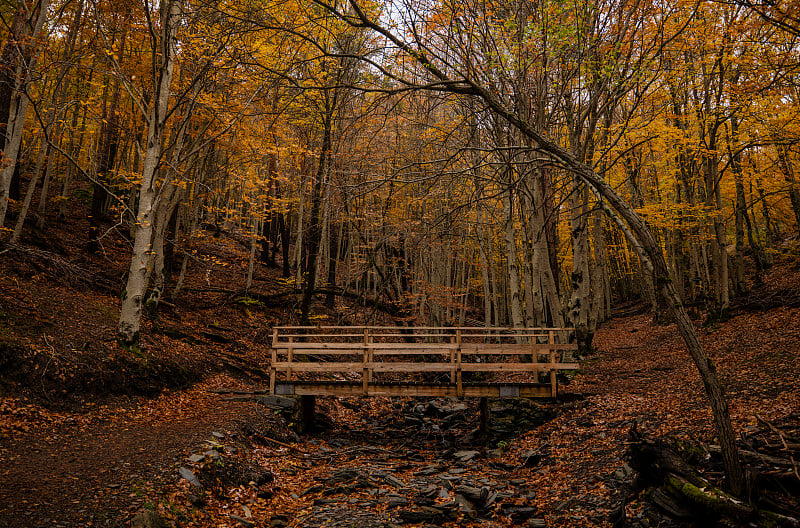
(788,174)
(131,311)
(17,62)
(581,298)
(314,227)
(514,293)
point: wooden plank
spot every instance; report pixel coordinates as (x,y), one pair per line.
(423,348)
(468,391)
(400,367)
(414,328)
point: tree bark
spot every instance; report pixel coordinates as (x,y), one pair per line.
(131,310)
(17,62)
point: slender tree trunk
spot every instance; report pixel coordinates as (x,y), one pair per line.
(315,229)
(788,174)
(514,293)
(26,203)
(17,62)
(581,298)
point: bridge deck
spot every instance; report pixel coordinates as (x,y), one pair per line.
(385,359)
(474,390)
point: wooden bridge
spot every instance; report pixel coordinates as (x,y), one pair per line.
(419,361)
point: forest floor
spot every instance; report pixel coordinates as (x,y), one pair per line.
(93,433)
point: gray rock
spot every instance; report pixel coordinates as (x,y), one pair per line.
(147,519)
(394,500)
(457,471)
(465,507)
(316,488)
(194,459)
(429,470)
(472,493)
(243,521)
(187,474)
(218,436)
(394,481)
(466,456)
(426,515)
(281,403)
(520,514)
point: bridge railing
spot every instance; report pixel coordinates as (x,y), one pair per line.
(368,351)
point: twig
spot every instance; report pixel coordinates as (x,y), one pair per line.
(775,430)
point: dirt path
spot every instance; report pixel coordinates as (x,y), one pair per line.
(95,469)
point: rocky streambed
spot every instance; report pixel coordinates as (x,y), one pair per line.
(371,464)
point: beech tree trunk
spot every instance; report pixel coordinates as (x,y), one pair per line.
(149,192)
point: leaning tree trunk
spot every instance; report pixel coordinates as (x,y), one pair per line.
(632,224)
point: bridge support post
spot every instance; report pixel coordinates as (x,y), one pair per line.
(307,404)
(483,428)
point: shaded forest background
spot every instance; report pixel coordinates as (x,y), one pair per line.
(312,139)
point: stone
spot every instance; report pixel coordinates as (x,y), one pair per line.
(147,519)
(457,471)
(466,456)
(187,475)
(421,516)
(280,403)
(218,436)
(213,454)
(394,500)
(472,493)
(394,481)
(520,514)
(194,459)
(316,488)
(279,521)
(465,507)
(531,458)
(429,470)
(244,522)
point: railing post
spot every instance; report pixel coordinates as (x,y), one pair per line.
(553,372)
(289,356)
(274,359)
(365,375)
(459,384)
(452,362)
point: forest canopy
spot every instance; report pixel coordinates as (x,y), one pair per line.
(393,170)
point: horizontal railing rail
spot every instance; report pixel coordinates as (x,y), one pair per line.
(370,350)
